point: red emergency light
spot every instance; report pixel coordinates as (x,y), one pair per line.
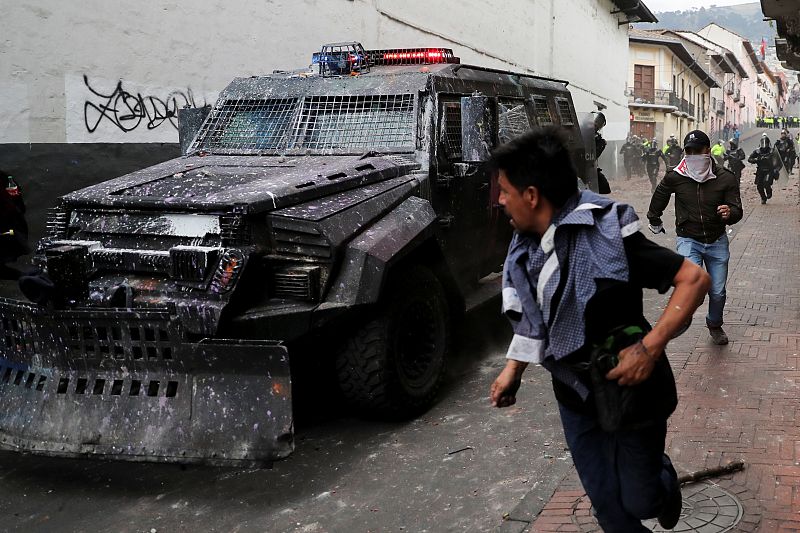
(411,56)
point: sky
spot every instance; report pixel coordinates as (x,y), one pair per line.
(677,5)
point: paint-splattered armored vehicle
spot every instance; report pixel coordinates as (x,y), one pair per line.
(346,203)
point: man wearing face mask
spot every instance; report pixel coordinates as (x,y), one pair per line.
(707,200)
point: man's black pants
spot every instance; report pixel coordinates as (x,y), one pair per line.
(652,174)
(626,474)
(764,185)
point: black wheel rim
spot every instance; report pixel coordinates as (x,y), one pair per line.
(419,343)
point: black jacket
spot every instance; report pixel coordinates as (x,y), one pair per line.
(674,154)
(764,161)
(652,156)
(696,204)
(735,159)
(785,146)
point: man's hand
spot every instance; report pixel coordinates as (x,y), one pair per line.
(724,212)
(656,229)
(504,389)
(635,365)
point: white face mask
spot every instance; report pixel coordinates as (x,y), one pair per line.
(698,167)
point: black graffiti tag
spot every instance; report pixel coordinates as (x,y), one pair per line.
(128,111)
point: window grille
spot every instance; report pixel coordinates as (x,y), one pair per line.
(331,122)
(247,125)
(564,112)
(543,116)
(512,119)
(451,129)
(319,123)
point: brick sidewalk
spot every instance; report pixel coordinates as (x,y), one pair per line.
(740,401)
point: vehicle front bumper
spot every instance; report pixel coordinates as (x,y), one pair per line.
(125,384)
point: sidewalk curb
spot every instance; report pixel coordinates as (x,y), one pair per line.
(528,509)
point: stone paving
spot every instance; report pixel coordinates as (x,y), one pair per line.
(740,401)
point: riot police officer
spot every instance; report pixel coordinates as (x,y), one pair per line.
(673,153)
(734,158)
(651,157)
(785,147)
(630,152)
(766,169)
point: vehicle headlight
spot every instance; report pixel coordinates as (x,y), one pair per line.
(228,270)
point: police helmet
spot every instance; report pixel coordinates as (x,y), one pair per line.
(599,121)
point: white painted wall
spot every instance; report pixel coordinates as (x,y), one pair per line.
(141,58)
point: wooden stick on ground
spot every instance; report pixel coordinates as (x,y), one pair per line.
(694,477)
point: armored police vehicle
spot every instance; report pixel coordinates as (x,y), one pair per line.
(345,201)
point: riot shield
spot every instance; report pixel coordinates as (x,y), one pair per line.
(777,163)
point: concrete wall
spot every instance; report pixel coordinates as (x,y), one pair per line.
(99,71)
(88,89)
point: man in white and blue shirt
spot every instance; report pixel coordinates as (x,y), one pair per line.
(575,271)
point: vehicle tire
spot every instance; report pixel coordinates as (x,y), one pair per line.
(393,366)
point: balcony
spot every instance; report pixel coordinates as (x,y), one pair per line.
(691,110)
(651,97)
(736,96)
(719,107)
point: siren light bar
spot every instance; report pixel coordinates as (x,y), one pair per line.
(412,56)
(345,58)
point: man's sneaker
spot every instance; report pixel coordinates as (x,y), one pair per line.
(718,336)
(763,201)
(671,511)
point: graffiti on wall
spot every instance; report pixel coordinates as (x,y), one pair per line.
(128,111)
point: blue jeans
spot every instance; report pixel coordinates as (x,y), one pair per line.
(715,258)
(626,474)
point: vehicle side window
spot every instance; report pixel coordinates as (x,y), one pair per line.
(564,112)
(512,119)
(542,111)
(450,130)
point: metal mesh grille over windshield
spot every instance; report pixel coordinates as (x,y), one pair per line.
(250,125)
(317,123)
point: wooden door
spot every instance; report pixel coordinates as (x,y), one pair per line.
(644,82)
(645,130)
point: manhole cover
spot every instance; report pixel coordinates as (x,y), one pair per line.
(707,508)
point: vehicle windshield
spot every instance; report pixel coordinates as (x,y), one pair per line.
(311,124)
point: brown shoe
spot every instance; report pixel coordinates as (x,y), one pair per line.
(718,336)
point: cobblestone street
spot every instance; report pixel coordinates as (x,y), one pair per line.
(739,401)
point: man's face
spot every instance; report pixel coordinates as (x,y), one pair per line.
(697,150)
(519,206)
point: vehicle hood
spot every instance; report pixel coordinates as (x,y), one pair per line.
(210,183)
